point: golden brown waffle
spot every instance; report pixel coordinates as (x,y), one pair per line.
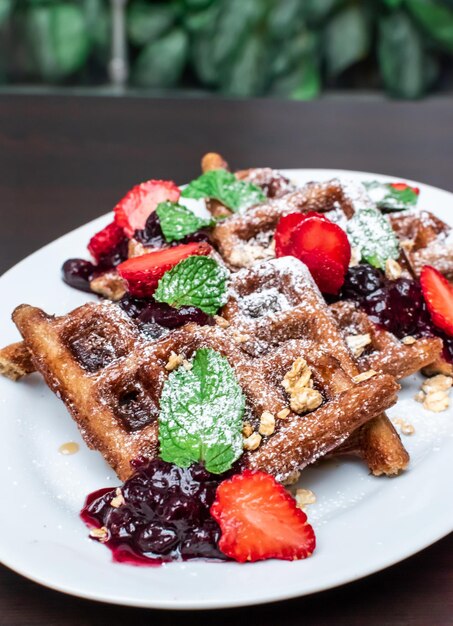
(276,301)
(378,349)
(110,377)
(15,361)
(425,240)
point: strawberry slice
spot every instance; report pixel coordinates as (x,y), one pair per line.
(318,234)
(259,520)
(134,209)
(403,187)
(283,233)
(105,241)
(327,273)
(438,294)
(142,273)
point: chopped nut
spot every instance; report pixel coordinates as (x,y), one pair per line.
(252,442)
(283,414)
(298,376)
(292,478)
(420,396)
(239,337)
(246,254)
(267,424)
(304,497)
(305,400)
(407,245)
(436,401)
(408,341)
(364,376)
(247,429)
(221,321)
(135,248)
(118,500)
(174,361)
(358,343)
(393,269)
(355,257)
(100,533)
(187,365)
(109,285)
(405,427)
(437,383)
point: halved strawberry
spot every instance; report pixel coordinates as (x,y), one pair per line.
(403,187)
(105,241)
(283,233)
(327,273)
(318,234)
(438,294)
(259,520)
(134,209)
(142,273)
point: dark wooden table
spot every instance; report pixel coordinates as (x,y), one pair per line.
(65,160)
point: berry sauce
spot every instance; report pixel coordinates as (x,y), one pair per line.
(395,305)
(148,312)
(78,274)
(163,514)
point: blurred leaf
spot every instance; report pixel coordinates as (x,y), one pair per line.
(97,20)
(5,10)
(289,54)
(203,61)
(147,22)
(202,21)
(247,75)
(436,19)
(406,68)
(346,39)
(235,23)
(285,19)
(302,83)
(197,4)
(161,62)
(57,39)
(393,4)
(316,11)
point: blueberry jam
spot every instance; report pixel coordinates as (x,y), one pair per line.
(396,305)
(146,311)
(152,236)
(78,273)
(161,514)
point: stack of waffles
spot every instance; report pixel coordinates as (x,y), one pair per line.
(317,378)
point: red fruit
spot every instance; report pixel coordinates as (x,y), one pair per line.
(134,209)
(105,241)
(284,231)
(142,273)
(327,273)
(403,187)
(259,520)
(438,294)
(320,235)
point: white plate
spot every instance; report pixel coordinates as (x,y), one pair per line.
(362,523)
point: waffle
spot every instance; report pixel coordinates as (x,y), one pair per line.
(15,361)
(383,352)
(110,377)
(276,301)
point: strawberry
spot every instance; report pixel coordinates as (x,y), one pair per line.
(259,520)
(105,241)
(438,294)
(142,273)
(284,231)
(134,209)
(403,187)
(327,273)
(318,234)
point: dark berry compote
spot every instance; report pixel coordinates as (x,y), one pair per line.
(396,305)
(160,514)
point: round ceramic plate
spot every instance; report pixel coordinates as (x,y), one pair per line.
(363,524)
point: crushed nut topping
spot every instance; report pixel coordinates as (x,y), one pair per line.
(408,341)
(239,337)
(355,257)
(405,427)
(393,269)
(247,429)
(283,414)
(187,365)
(247,254)
(118,500)
(436,401)
(434,393)
(100,533)
(174,361)
(299,385)
(358,343)
(109,285)
(135,248)
(292,478)
(437,383)
(364,376)
(221,321)
(304,497)
(252,442)
(267,424)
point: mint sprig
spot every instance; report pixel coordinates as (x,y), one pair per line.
(371,232)
(177,221)
(391,197)
(196,281)
(201,411)
(222,185)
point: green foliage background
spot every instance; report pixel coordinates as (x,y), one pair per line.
(290,48)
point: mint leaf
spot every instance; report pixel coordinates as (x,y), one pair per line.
(392,196)
(371,233)
(196,281)
(177,221)
(201,412)
(222,185)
